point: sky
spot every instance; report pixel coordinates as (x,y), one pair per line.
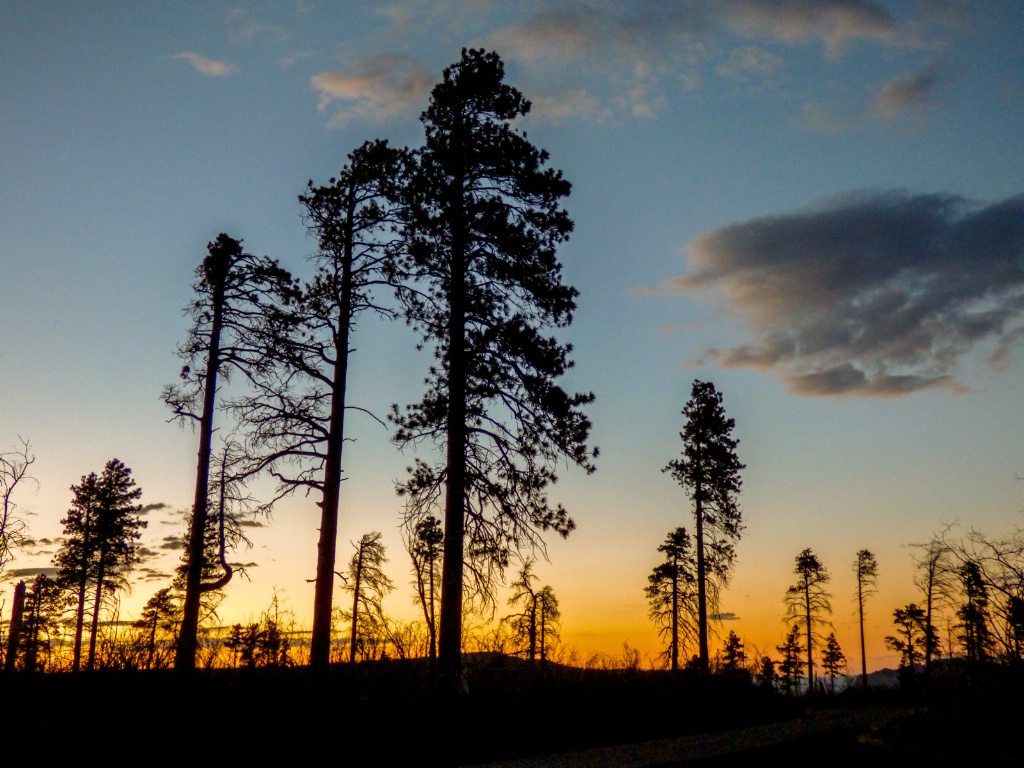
(817,206)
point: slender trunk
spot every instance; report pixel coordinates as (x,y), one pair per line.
(152,643)
(355,607)
(76,659)
(543,628)
(860,613)
(93,630)
(450,635)
(675,613)
(928,631)
(326,550)
(83,585)
(810,642)
(533,627)
(431,623)
(702,592)
(185,658)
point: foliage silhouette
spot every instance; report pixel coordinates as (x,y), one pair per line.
(807,602)
(672,596)
(536,625)
(483,221)
(833,660)
(709,472)
(911,638)
(100,531)
(974,634)
(368,585)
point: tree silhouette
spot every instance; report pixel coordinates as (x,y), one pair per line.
(483,222)
(973,613)
(160,618)
(297,415)
(934,578)
(424,544)
(235,294)
(536,625)
(709,472)
(734,657)
(40,623)
(14,473)
(833,660)
(865,569)
(671,595)
(100,531)
(807,602)
(789,666)
(368,585)
(911,639)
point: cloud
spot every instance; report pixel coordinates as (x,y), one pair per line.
(172,542)
(906,93)
(31,573)
(832,22)
(205,66)
(749,62)
(642,48)
(871,294)
(156,507)
(568,103)
(377,88)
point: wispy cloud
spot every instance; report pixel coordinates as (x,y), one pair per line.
(377,88)
(207,66)
(649,46)
(831,22)
(907,93)
(872,294)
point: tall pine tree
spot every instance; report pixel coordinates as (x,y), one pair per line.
(709,472)
(484,219)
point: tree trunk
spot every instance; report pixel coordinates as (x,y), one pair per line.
(185,658)
(863,653)
(326,550)
(450,635)
(354,638)
(810,644)
(93,630)
(702,592)
(675,613)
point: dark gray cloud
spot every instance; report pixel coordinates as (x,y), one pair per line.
(30,573)
(876,294)
(728,616)
(172,542)
(147,508)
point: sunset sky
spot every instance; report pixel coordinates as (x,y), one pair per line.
(818,206)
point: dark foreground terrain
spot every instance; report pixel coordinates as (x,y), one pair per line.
(512,713)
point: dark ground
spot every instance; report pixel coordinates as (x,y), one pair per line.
(512,715)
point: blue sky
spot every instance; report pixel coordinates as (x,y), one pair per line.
(818,206)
